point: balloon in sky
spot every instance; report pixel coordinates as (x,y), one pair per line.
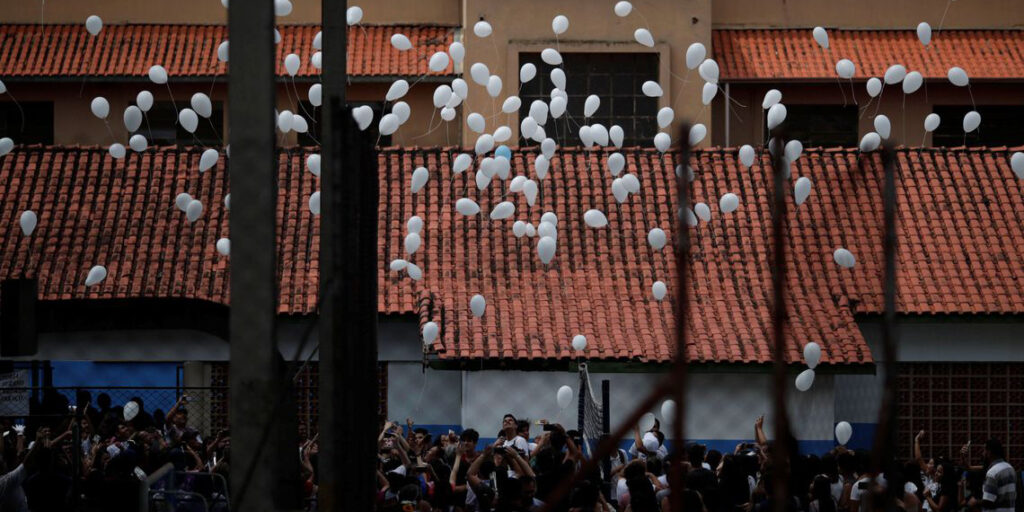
(776,115)
(28,221)
(658,289)
(208,160)
(708,70)
(157,75)
(527,72)
(883,126)
(805,380)
(190,121)
(746,155)
(100,107)
(812,354)
(482,29)
(931,122)
(958,77)
(972,120)
(478,305)
(397,90)
(644,37)
(595,219)
(874,87)
(201,104)
(401,42)
(1017,164)
(579,342)
(130,410)
(195,209)
(93,25)
(802,190)
(820,36)
(924,33)
(695,54)
(771,98)
(845,68)
(291,64)
(843,432)
(870,142)
(132,118)
(564,397)
(96,275)
(466,206)
(623,8)
(729,203)
(662,141)
(144,100)
(354,15)
(430,331)
(559,24)
(844,258)
(117,151)
(656,237)
(224,246)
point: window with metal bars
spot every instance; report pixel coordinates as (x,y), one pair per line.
(32,124)
(1000,126)
(616,78)
(161,127)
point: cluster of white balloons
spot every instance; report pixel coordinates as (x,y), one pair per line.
(812,356)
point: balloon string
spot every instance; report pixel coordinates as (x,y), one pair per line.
(148,128)
(880,95)
(943,20)
(111,132)
(173,104)
(215,132)
(853,92)
(840,84)
(683,81)
(20,111)
(975,107)
(303,107)
(903,111)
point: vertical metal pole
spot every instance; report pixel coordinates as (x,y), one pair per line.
(606,426)
(348,288)
(682,255)
(782,448)
(255,362)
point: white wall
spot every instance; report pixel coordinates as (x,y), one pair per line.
(433,397)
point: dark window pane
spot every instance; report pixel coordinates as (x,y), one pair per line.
(821,125)
(1000,126)
(615,77)
(35,126)
(162,128)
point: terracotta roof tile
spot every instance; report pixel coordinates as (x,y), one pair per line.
(961,239)
(63,51)
(792,54)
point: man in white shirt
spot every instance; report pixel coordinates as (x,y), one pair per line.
(510,427)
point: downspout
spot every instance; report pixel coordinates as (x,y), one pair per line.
(728,98)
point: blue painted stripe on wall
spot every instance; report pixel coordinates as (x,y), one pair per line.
(89,373)
(863,436)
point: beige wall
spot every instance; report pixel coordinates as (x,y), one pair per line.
(746,124)
(593,26)
(867,13)
(211,11)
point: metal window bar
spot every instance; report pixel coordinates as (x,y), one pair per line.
(783,445)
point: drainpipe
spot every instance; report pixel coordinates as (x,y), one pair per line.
(727,100)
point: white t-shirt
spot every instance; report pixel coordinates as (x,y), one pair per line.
(660,454)
(856,492)
(519,443)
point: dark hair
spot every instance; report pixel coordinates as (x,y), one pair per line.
(714,457)
(523,426)
(846,462)
(469,435)
(654,466)
(695,454)
(409,492)
(103,400)
(641,495)
(635,469)
(584,496)
(509,415)
(995,448)
(821,490)
(948,484)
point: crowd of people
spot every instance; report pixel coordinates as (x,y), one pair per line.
(530,466)
(548,471)
(118,446)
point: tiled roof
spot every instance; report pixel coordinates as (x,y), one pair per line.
(961,239)
(61,51)
(792,54)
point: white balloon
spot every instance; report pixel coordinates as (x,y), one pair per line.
(398,264)
(412,243)
(729,203)
(467,207)
(668,410)
(665,117)
(1017,164)
(484,144)
(559,24)
(503,210)
(208,160)
(619,190)
(547,147)
(116,151)
(157,75)
(662,141)
(462,162)
(478,305)
(776,115)
(958,77)
(844,431)
(546,249)
(772,97)
(659,290)
(644,37)
(530,190)
(883,126)
(844,258)
(100,107)
(656,237)
(595,219)
(480,73)
(194,210)
(511,104)
(591,105)
(138,143)
(805,380)
(482,29)
(820,36)
(793,150)
(812,354)
(646,423)
(972,120)
(912,82)
(924,33)
(201,104)
(707,94)
(476,122)
(709,71)
(528,127)
(703,211)
(144,100)
(631,183)
(616,162)
(442,94)
(802,190)
(494,86)
(695,54)
(419,179)
(132,118)
(284,120)
(615,135)
(502,134)
(586,138)
(870,142)
(539,111)
(313,164)
(697,133)
(845,68)
(227,197)
(691,219)
(579,342)
(401,42)
(874,87)
(540,166)
(353,15)
(182,200)
(931,122)
(457,51)
(130,410)
(623,8)
(746,155)
(895,74)
(401,110)
(599,133)
(564,397)
(459,88)
(282,7)
(430,331)
(224,246)
(299,124)
(397,90)
(415,273)
(527,72)
(93,24)
(551,57)
(483,179)
(363,116)
(189,120)
(291,64)
(438,62)
(314,203)
(28,221)
(414,224)
(388,124)
(277,36)
(519,227)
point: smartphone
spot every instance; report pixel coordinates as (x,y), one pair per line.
(862,486)
(500,450)
(548,427)
(389,434)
